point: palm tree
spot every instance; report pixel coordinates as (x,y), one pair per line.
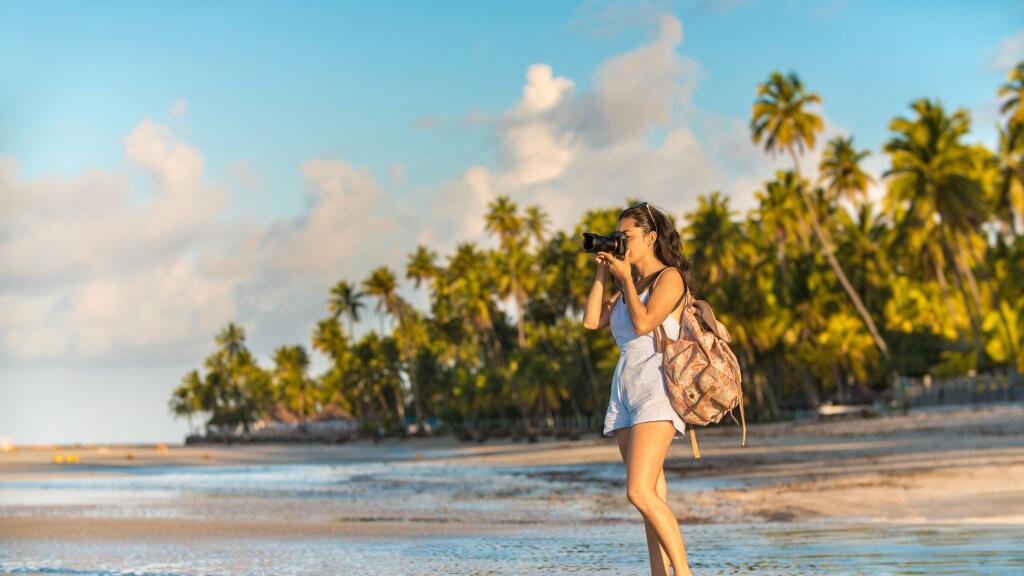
(292,382)
(781,119)
(472,287)
(1009,204)
(329,339)
(1014,92)
(778,222)
(929,176)
(502,220)
(713,237)
(420,266)
(781,214)
(233,391)
(186,400)
(376,369)
(345,300)
(231,340)
(841,171)
(381,283)
(536,224)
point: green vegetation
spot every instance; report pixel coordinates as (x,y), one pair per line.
(825,294)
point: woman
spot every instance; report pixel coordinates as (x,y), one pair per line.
(651,280)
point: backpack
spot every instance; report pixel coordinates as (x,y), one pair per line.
(700,370)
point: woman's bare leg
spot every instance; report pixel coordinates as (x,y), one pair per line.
(648,445)
(659,558)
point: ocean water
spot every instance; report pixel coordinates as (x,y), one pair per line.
(566,520)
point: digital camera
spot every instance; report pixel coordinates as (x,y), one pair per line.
(615,243)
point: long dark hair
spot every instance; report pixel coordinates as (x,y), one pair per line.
(668,247)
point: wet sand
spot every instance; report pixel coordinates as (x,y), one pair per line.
(946,466)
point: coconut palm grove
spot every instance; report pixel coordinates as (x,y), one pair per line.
(829,296)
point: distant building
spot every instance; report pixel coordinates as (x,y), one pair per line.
(282,423)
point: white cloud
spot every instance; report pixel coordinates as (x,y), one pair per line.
(608,18)
(533,139)
(640,90)
(89,274)
(93,274)
(1009,53)
(350,224)
(396,174)
(178,109)
(566,150)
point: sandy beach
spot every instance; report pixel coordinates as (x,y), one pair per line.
(961,466)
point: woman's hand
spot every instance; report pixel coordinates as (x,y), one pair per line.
(621,269)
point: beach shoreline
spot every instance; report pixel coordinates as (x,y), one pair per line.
(960,465)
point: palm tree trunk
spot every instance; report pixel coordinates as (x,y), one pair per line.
(521,321)
(399,401)
(997,304)
(826,244)
(589,368)
(747,369)
(519,306)
(497,353)
(417,398)
(385,409)
(940,275)
(763,389)
(810,387)
(958,276)
(838,269)
(971,282)
(840,388)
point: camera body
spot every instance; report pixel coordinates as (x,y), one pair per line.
(614,243)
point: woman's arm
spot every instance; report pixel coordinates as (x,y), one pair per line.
(598,310)
(665,296)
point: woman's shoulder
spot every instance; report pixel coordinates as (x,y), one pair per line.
(668,276)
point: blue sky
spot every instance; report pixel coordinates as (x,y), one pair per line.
(409,104)
(274,83)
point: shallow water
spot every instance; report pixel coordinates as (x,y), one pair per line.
(563,530)
(771,549)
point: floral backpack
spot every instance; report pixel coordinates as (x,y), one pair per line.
(700,370)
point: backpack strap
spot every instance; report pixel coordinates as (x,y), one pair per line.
(658,277)
(661,338)
(693,443)
(744,443)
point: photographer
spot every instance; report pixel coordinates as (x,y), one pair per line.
(644,249)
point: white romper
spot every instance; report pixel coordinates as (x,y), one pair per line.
(639,393)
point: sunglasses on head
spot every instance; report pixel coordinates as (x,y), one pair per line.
(648,206)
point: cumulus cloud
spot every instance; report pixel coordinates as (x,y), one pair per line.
(90,275)
(349,221)
(87,272)
(641,89)
(1009,53)
(566,150)
(91,272)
